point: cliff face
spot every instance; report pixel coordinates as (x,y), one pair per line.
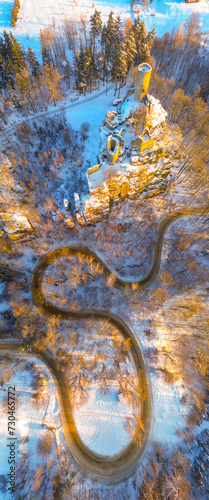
(132,157)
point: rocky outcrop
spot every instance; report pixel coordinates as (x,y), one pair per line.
(127,161)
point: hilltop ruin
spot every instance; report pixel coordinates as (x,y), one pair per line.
(130,159)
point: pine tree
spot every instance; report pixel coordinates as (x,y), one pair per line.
(111,41)
(6,61)
(130,50)
(143,41)
(17,54)
(80,70)
(96,27)
(23,86)
(90,67)
(14,96)
(67,72)
(100,65)
(119,66)
(33,62)
(46,40)
(3,70)
(11,59)
(108,37)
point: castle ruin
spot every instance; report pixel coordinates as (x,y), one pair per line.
(126,160)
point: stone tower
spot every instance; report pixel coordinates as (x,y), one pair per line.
(112,149)
(142,81)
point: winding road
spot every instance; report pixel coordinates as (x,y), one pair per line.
(117,467)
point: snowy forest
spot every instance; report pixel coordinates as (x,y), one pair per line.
(144,266)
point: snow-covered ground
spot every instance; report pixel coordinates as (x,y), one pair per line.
(168,412)
(169,15)
(100,422)
(29,419)
(161,15)
(94,113)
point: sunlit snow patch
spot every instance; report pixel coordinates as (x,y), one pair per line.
(101,422)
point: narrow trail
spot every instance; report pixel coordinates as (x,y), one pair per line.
(104,468)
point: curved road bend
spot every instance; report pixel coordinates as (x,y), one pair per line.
(107,469)
(117,467)
(52,255)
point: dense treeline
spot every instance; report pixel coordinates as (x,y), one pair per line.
(23,82)
(179,58)
(189,115)
(100,52)
(110,50)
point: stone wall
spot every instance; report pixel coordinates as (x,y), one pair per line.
(112,149)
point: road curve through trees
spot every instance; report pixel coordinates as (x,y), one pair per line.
(109,469)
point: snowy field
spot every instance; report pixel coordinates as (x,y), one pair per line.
(100,422)
(161,15)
